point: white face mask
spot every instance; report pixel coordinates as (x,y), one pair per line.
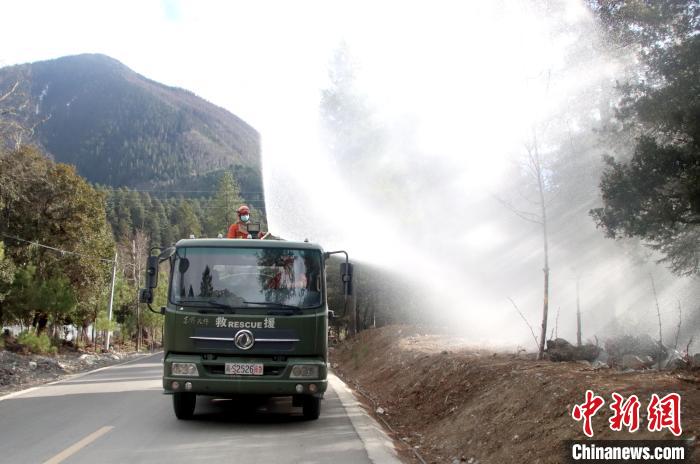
(245,217)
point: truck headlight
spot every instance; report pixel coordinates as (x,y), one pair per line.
(188,369)
(304,372)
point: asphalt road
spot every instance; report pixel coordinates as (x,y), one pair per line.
(119,414)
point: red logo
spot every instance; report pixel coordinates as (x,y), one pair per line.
(587,410)
(665,413)
(625,413)
(662,413)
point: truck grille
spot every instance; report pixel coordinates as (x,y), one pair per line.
(266,340)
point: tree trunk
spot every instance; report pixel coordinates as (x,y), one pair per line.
(658,313)
(42,321)
(578,316)
(545,312)
(545,305)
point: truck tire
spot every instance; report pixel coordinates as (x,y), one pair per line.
(311,407)
(183,405)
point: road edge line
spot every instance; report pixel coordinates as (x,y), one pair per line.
(380,448)
(74,376)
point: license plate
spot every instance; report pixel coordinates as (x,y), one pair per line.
(243,369)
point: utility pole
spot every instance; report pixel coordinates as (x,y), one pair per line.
(94,328)
(138,306)
(111,302)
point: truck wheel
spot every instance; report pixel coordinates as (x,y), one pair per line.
(311,407)
(183,405)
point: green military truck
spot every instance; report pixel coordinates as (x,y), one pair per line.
(245,317)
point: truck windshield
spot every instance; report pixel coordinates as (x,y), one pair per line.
(247,277)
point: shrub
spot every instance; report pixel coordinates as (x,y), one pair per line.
(39,344)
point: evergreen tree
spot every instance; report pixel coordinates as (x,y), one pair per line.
(655,195)
(19,303)
(352,134)
(187,220)
(122,224)
(136,210)
(224,205)
(56,297)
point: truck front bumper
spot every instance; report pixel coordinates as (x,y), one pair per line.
(211,380)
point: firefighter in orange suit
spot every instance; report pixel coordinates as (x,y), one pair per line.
(239,229)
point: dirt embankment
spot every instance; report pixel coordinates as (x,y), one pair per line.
(463,405)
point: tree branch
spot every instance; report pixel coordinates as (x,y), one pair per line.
(525,215)
(537,344)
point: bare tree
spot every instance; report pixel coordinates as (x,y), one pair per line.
(678,329)
(134,254)
(533,167)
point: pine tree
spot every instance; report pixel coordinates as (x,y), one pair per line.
(655,195)
(224,205)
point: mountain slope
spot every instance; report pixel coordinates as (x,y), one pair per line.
(120,128)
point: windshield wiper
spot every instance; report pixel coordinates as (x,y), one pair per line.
(218,304)
(285,312)
(295,309)
(210,311)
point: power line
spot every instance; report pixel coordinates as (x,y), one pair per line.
(63,252)
(205,206)
(126,189)
(201,200)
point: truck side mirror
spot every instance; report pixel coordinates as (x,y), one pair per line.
(152,272)
(166,253)
(346,277)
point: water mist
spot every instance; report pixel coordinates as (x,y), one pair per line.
(429,174)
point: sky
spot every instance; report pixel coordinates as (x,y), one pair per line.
(261,58)
(233,54)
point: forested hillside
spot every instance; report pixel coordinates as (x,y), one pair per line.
(97,163)
(166,216)
(121,129)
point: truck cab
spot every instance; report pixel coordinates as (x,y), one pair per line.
(244,317)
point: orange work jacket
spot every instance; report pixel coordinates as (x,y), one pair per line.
(237,230)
